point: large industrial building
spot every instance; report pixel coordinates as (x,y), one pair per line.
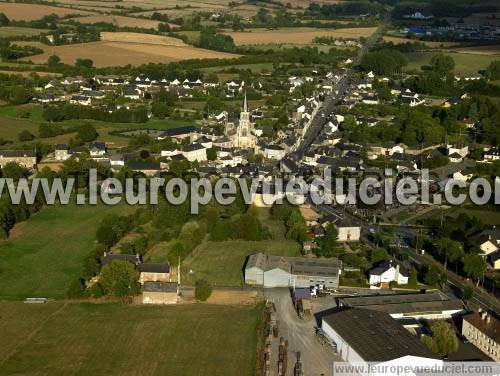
(361,335)
(281,271)
(430,306)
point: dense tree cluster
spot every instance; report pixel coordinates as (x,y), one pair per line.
(212,40)
(70,111)
(384,61)
(113,228)
(348,8)
(443,340)
(9,51)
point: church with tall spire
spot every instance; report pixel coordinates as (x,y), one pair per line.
(243,136)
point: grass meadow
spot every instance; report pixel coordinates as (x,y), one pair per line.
(113,339)
(465,63)
(222,263)
(45,253)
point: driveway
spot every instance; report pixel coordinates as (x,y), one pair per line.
(316,359)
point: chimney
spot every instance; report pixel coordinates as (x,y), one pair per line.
(480,310)
(396,273)
(488,319)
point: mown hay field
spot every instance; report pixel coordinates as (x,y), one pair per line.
(14,31)
(30,12)
(296,35)
(118,49)
(116,339)
(120,21)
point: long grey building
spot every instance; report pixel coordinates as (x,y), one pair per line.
(431,306)
(281,271)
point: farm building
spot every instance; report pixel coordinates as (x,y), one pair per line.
(362,335)
(154,273)
(160,292)
(280,271)
(430,306)
(26,158)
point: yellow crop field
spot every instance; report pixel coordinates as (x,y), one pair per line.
(118,49)
(296,35)
(141,39)
(30,12)
(120,21)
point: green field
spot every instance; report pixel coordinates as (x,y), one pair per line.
(11,126)
(464,63)
(115,339)
(222,262)
(46,252)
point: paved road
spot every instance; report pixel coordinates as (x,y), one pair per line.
(339,90)
(316,359)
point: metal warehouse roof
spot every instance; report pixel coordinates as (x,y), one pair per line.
(375,336)
(295,265)
(405,303)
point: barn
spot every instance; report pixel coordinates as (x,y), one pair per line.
(280,271)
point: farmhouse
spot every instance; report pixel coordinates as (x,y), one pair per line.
(61,152)
(492,154)
(97,149)
(389,271)
(280,271)
(347,231)
(430,306)
(362,335)
(154,273)
(26,158)
(160,293)
(110,257)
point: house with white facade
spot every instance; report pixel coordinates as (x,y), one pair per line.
(194,152)
(389,271)
(274,152)
(489,241)
(61,152)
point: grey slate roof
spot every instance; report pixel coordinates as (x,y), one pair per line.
(17,153)
(154,268)
(160,287)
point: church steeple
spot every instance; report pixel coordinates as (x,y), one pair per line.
(245,103)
